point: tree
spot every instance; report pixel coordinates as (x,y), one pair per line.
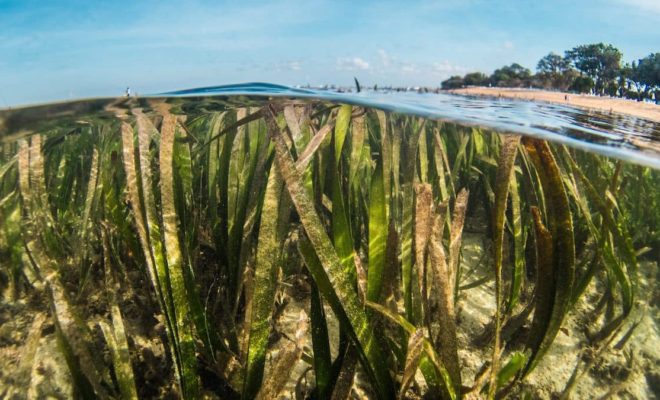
(455,82)
(582,84)
(554,72)
(514,75)
(558,81)
(553,64)
(624,80)
(475,79)
(612,88)
(645,74)
(601,62)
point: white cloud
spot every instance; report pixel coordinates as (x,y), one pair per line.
(652,6)
(393,65)
(279,66)
(508,45)
(445,67)
(385,58)
(408,68)
(352,63)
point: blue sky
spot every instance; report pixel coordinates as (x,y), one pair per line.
(52,50)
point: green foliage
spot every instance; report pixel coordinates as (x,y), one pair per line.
(514,75)
(554,72)
(582,84)
(454,82)
(553,64)
(598,61)
(645,74)
(475,79)
(583,69)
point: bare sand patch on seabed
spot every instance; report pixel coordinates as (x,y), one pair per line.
(634,108)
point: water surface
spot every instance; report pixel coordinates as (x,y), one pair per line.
(618,135)
(629,138)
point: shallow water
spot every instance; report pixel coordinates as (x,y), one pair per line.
(616,135)
(147,247)
(611,134)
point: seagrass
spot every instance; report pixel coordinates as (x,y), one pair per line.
(251,238)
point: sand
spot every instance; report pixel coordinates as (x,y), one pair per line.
(626,373)
(32,366)
(623,106)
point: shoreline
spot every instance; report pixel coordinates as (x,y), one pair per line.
(632,108)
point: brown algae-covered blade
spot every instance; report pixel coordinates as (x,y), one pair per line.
(563,242)
(502,183)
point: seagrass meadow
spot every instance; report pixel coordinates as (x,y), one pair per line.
(240,248)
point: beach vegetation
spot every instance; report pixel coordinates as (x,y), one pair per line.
(593,68)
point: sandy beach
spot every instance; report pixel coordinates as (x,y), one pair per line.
(623,106)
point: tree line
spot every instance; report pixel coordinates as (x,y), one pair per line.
(592,68)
